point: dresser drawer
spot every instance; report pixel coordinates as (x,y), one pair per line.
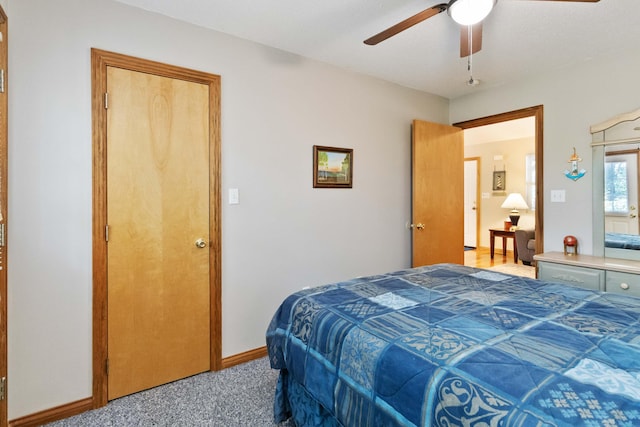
(623,283)
(589,278)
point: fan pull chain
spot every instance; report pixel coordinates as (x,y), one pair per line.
(471,81)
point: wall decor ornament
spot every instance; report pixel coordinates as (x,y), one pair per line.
(574,174)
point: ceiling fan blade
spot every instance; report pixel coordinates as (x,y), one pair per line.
(407,23)
(476,39)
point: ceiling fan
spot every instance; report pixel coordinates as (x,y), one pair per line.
(468,13)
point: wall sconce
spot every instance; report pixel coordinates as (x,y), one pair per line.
(574,174)
(514,201)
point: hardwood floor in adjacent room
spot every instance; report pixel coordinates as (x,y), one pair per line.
(481,258)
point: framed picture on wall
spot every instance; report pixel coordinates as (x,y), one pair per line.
(499,180)
(332,167)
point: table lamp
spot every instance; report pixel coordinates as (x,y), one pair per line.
(514,201)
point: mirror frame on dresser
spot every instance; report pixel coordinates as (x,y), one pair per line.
(598,145)
(615,271)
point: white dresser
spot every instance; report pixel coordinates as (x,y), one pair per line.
(603,274)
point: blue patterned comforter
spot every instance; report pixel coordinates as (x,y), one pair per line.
(448,345)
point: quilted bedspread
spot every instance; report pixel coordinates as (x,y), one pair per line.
(448,345)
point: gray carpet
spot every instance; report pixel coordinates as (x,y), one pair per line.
(239,396)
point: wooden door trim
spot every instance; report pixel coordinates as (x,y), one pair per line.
(538,113)
(4,180)
(100,60)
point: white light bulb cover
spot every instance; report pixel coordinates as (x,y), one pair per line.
(470,12)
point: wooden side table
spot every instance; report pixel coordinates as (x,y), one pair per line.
(505,234)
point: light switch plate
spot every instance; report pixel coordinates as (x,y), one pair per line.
(557,196)
(234,196)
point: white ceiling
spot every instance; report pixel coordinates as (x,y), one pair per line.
(521,37)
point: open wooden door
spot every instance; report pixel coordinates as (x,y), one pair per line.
(438,193)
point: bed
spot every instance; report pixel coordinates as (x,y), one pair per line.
(622,241)
(449,345)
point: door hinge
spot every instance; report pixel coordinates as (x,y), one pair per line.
(3,386)
(1,81)
(106,232)
(107,366)
(106,101)
(2,242)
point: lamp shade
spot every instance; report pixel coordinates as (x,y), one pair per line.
(470,12)
(514,201)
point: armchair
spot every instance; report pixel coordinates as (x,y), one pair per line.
(526,244)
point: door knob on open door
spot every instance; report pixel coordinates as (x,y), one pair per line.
(200,243)
(419,226)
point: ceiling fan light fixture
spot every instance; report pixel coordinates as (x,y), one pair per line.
(470,12)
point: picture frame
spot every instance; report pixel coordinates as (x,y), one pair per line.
(332,167)
(499,180)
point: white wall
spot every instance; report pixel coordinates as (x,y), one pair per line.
(574,99)
(282,236)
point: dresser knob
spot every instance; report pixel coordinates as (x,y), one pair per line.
(624,286)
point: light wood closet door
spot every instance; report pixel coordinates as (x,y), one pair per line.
(158,230)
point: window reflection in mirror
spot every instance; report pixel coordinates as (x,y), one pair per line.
(615,149)
(621,198)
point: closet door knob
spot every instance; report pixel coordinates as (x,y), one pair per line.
(624,286)
(200,243)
